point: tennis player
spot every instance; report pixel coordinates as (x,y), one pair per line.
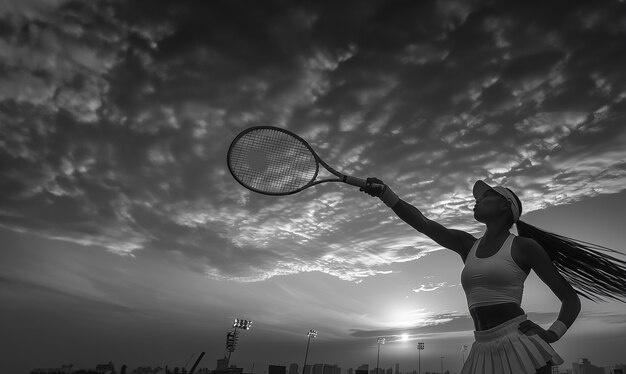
(496,266)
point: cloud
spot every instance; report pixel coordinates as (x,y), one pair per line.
(434,324)
(438,323)
(96,302)
(428,287)
(116,120)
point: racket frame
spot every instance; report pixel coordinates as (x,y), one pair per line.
(358,182)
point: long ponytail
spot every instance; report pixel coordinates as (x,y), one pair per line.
(591,269)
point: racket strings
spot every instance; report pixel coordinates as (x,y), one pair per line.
(272,161)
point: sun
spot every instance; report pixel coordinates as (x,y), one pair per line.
(404,337)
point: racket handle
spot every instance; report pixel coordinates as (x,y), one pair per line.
(355,181)
(360,182)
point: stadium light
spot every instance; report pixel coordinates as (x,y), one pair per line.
(380,340)
(420,347)
(242,324)
(233,336)
(310,334)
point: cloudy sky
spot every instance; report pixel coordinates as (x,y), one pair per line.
(125,238)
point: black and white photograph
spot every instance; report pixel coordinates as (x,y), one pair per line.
(312,187)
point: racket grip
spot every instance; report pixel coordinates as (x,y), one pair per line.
(360,182)
(354,181)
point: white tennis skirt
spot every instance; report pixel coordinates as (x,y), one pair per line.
(504,349)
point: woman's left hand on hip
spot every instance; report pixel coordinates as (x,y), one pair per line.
(530,328)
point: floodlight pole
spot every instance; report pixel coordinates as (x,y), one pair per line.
(311,334)
(230,346)
(380,341)
(420,347)
(231,350)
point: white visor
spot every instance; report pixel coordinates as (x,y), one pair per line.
(481,187)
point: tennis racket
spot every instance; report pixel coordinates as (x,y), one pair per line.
(274,161)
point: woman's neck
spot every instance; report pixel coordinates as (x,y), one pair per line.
(496,231)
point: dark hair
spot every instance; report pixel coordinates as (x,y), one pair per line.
(519,206)
(590,268)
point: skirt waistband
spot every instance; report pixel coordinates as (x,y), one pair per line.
(501,330)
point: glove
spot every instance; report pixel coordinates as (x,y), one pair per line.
(377,188)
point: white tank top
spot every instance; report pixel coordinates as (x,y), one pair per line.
(493,280)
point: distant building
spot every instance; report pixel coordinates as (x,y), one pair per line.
(318,369)
(619,369)
(332,369)
(308,369)
(147,370)
(351,371)
(293,369)
(65,369)
(222,368)
(277,369)
(105,368)
(397,371)
(222,364)
(585,367)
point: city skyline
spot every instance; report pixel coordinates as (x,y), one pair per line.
(293,368)
(125,238)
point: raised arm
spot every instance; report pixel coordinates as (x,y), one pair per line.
(456,240)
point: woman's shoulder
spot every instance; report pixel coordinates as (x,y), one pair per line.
(523,250)
(528,245)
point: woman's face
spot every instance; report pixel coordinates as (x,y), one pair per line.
(490,206)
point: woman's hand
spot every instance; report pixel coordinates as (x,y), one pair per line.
(375,187)
(530,328)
